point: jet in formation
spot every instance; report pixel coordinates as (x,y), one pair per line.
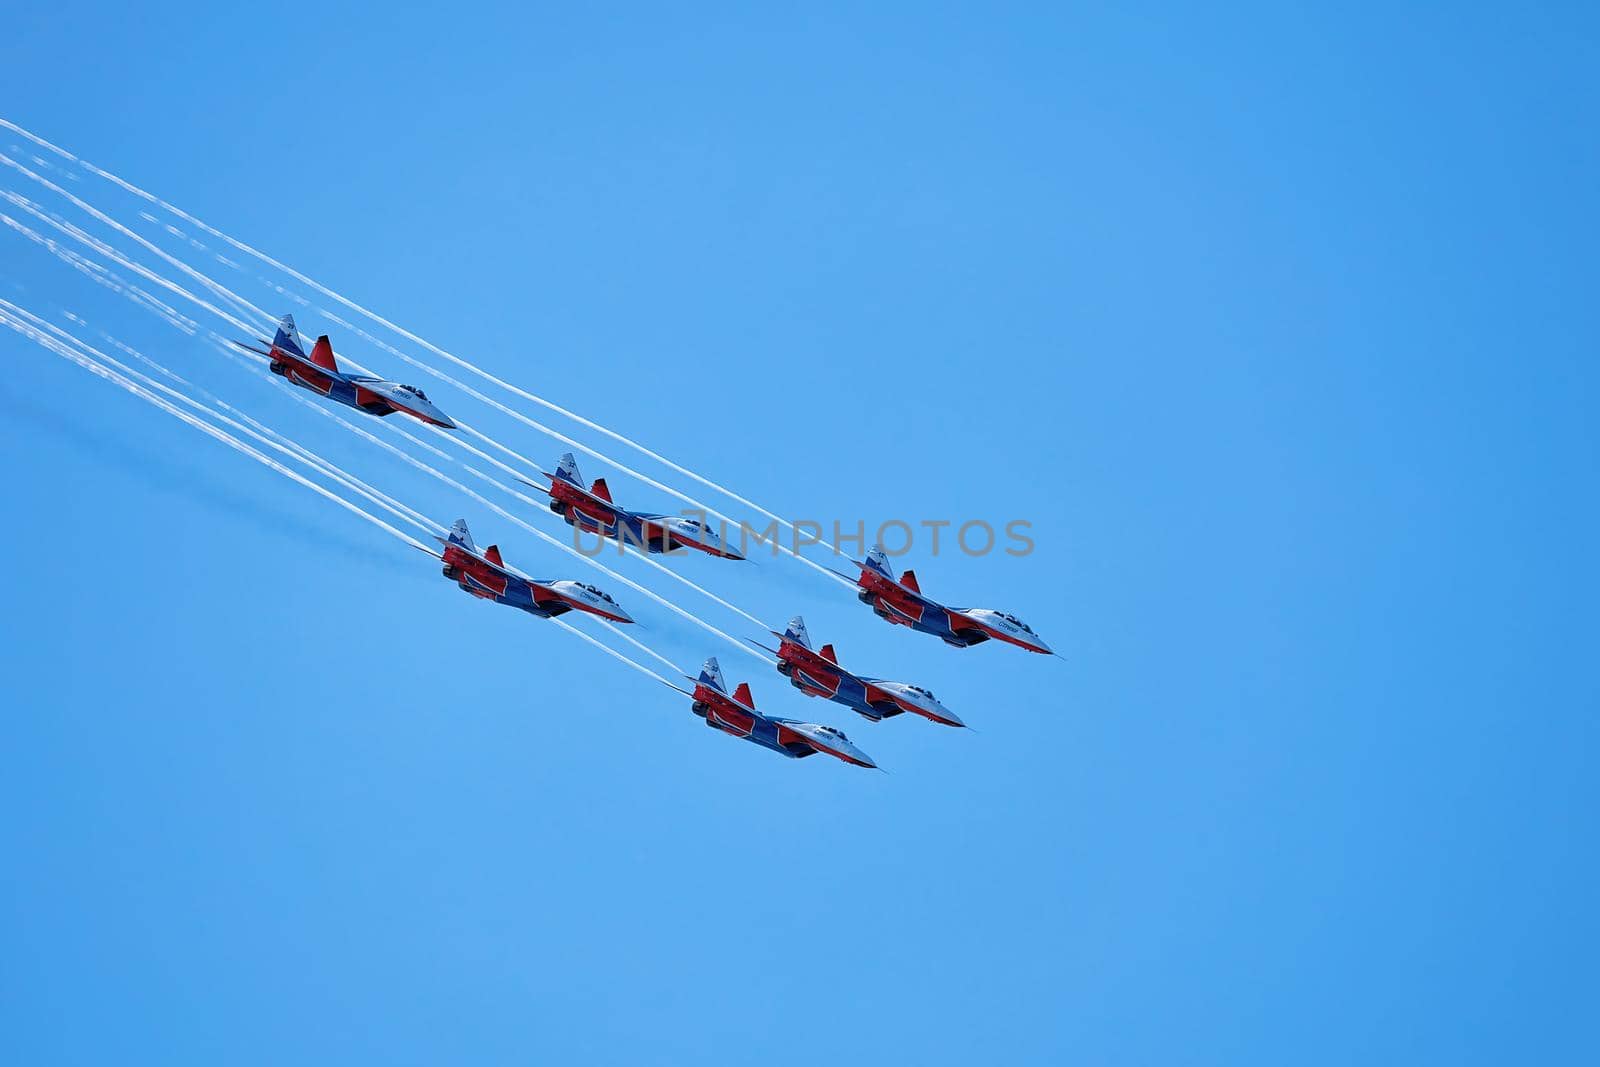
(818,674)
(736,714)
(320,373)
(485,575)
(903,604)
(592,509)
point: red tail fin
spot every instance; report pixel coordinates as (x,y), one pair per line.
(909,580)
(601,491)
(322,354)
(492,554)
(742,695)
(827,654)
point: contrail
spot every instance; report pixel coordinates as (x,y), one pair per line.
(103,276)
(374,317)
(98,369)
(90,209)
(189,326)
(608,650)
(116,257)
(668,571)
(601,567)
(246,306)
(573,442)
(640,645)
(111,253)
(104,372)
(294,451)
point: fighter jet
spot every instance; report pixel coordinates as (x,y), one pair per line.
(818,674)
(903,604)
(737,715)
(486,576)
(591,509)
(319,373)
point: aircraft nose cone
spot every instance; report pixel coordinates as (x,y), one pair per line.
(622,614)
(950,717)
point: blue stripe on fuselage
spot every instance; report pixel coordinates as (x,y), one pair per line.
(517,595)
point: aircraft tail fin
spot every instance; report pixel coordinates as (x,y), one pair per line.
(492,554)
(828,654)
(567,469)
(742,695)
(601,490)
(288,338)
(909,580)
(711,675)
(877,561)
(796,632)
(322,354)
(461,536)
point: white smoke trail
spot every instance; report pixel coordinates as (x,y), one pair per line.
(562,545)
(613,653)
(111,253)
(46,341)
(109,279)
(571,442)
(640,645)
(293,451)
(117,257)
(98,369)
(103,276)
(240,303)
(245,306)
(401,331)
(179,290)
(668,571)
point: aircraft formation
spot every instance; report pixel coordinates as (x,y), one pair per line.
(485,575)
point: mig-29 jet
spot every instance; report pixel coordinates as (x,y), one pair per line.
(319,373)
(592,509)
(902,603)
(485,575)
(818,674)
(737,715)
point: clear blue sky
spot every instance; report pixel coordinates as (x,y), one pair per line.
(1278,324)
